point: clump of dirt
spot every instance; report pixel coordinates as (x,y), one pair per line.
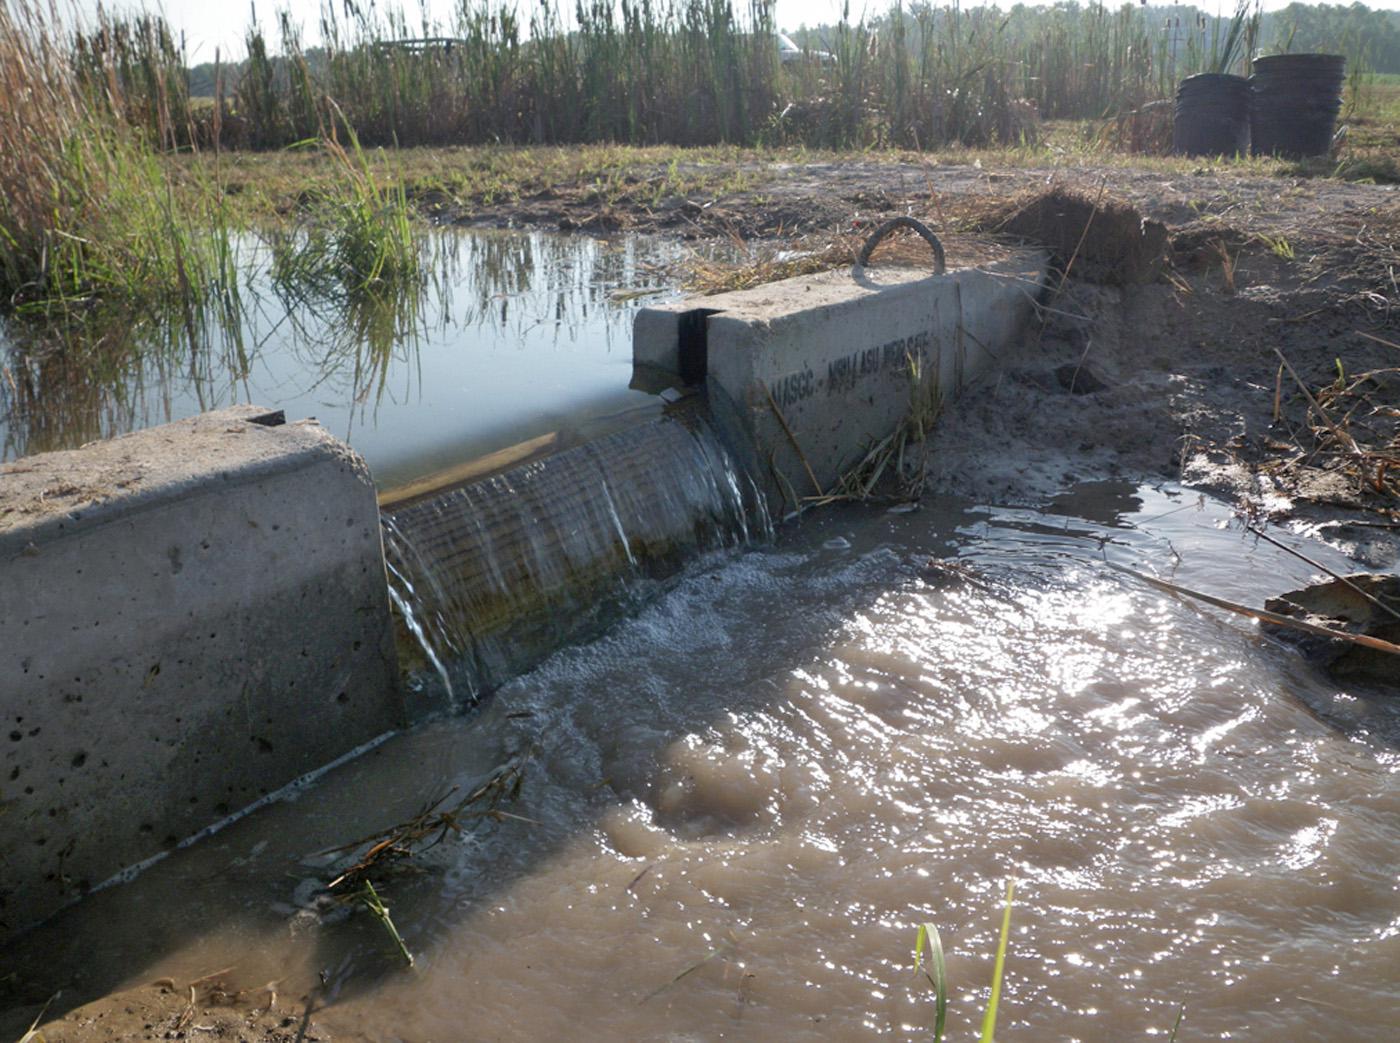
(1101,239)
(1203,244)
(1363,603)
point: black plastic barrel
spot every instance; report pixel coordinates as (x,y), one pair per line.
(1296,101)
(1212,116)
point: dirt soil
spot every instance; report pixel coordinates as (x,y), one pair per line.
(783,200)
(1239,367)
(205,1010)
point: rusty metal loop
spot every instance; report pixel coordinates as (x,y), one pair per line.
(939,263)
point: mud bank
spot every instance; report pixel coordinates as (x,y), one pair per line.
(1184,382)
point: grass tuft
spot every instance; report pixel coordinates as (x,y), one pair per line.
(89,213)
(357,240)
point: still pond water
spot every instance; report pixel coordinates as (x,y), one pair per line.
(518,335)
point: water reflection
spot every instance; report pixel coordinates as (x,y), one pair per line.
(512,335)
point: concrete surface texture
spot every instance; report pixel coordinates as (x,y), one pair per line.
(191,616)
(808,373)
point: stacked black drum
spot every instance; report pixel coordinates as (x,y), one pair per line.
(1287,108)
(1296,101)
(1212,116)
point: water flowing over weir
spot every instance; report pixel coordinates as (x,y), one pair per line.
(739,804)
(490,576)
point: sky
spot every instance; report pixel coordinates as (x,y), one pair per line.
(208,24)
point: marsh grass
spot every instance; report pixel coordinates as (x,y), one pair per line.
(698,72)
(89,214)
(357,239)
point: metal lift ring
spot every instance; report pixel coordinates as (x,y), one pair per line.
(939,263)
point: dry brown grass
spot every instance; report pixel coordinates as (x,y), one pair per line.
(769,262)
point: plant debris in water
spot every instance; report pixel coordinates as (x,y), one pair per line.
(392,850)
(369,898)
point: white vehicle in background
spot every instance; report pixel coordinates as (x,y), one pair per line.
(789,52)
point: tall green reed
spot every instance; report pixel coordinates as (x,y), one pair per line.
(89,214)
(694,72)
(687,72)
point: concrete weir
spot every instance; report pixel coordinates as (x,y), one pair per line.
(190,617)
(495,573)
(803,375)
(195,615)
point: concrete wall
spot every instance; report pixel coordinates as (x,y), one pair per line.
(826,362)
(190,617)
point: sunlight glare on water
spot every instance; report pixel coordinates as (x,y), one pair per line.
(740,804)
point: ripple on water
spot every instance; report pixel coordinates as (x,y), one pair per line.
(745,800)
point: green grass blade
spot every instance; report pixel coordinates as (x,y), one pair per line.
(937,977)
(989,1020)
(370,899)
(1177,1023)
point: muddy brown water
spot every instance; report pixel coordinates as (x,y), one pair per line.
(739,804)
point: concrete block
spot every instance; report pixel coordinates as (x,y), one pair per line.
(190,617)
(996,305)
(804,375)
(656,342)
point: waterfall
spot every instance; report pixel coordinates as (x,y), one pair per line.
(490,576)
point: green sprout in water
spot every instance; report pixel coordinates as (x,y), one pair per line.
(989,1019)
(937,974)
(370,899)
